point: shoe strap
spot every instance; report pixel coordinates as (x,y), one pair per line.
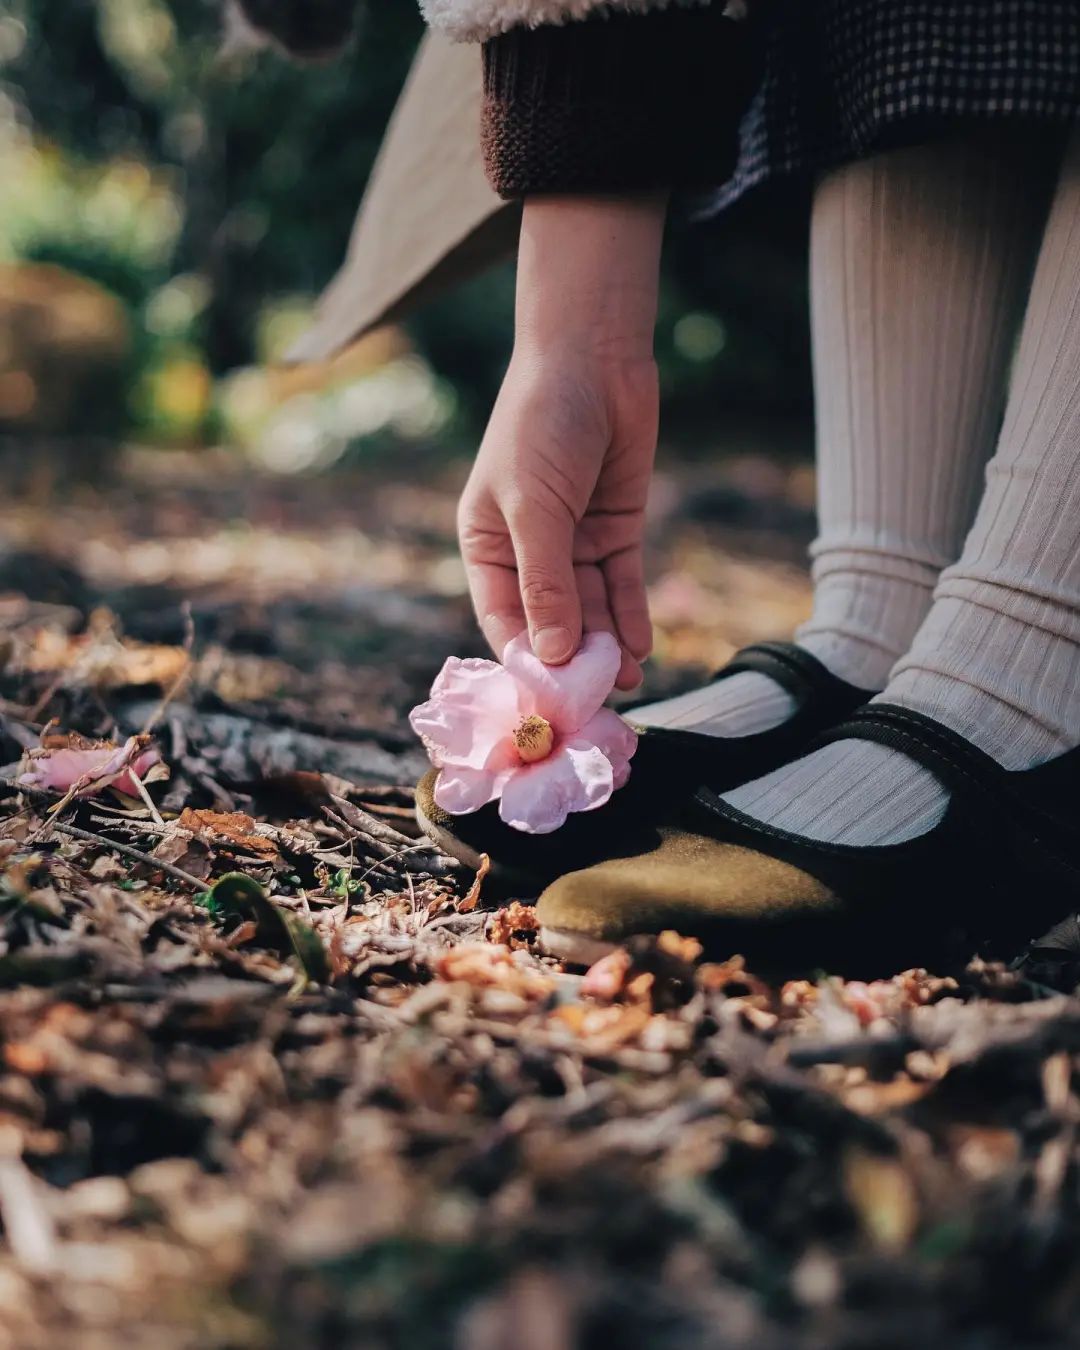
(969,773)
(803,676)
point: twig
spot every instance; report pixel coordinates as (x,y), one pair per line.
(413,848)
(137,854)
(381,792)
(352,835)
(27,790)
(643,1061)
(178,683)
(32,714)
(458,920)
(28,1225)
(382,1017)
(365,822)
(148,801)
(17,712)
(55,809)
(129,823)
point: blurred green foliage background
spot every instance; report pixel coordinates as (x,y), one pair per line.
(171,207)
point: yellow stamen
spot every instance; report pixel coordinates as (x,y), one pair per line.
(534,739)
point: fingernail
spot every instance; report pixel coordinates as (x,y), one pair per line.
(552,645)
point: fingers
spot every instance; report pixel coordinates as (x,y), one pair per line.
(630,674)
(624,577)
(497,601)
(521,575)
(543,540)
(597,618)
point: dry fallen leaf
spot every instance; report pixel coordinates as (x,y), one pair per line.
(233,827)
(603,1029)
(485,966)
(471,898)
(102,657)
(883,1197)
(514,926)
(180,848)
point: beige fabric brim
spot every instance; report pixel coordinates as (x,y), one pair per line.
(429,217)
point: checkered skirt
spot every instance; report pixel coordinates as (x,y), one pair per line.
(844,78)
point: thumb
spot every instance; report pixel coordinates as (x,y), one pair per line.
(543,542)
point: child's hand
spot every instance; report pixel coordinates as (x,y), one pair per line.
(551,521)
(552,518)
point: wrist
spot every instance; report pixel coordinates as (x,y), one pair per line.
(588,275)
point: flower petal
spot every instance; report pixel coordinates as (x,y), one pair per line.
(461,791)
(140,764)
(566,695)
(537,798)
(615,737)
(93,769)
(473,707)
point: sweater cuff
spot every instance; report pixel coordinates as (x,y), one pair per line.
(619,103)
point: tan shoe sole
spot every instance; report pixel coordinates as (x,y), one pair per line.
(503,881)
(574,948)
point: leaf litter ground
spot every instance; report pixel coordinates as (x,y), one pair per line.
(272,1074)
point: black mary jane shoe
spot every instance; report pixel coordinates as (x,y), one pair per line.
(1001,866)
(668,767)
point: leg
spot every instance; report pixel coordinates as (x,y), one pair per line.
(998,657)
(919,263)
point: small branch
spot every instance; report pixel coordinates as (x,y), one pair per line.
(129,823)
(413,848)
(178,683)
(28,1226)
(148,801)
(34,793)
(366,823)
(34,713)
(127,849)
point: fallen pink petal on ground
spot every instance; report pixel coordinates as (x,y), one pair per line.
(90,770)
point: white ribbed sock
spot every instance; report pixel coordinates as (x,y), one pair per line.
(998,657)
(919,260)
(740,705)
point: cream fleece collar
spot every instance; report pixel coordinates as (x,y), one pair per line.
(476,20)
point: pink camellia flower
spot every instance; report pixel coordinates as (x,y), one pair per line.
(535,738)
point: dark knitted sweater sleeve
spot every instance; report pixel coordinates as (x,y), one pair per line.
(617,103)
